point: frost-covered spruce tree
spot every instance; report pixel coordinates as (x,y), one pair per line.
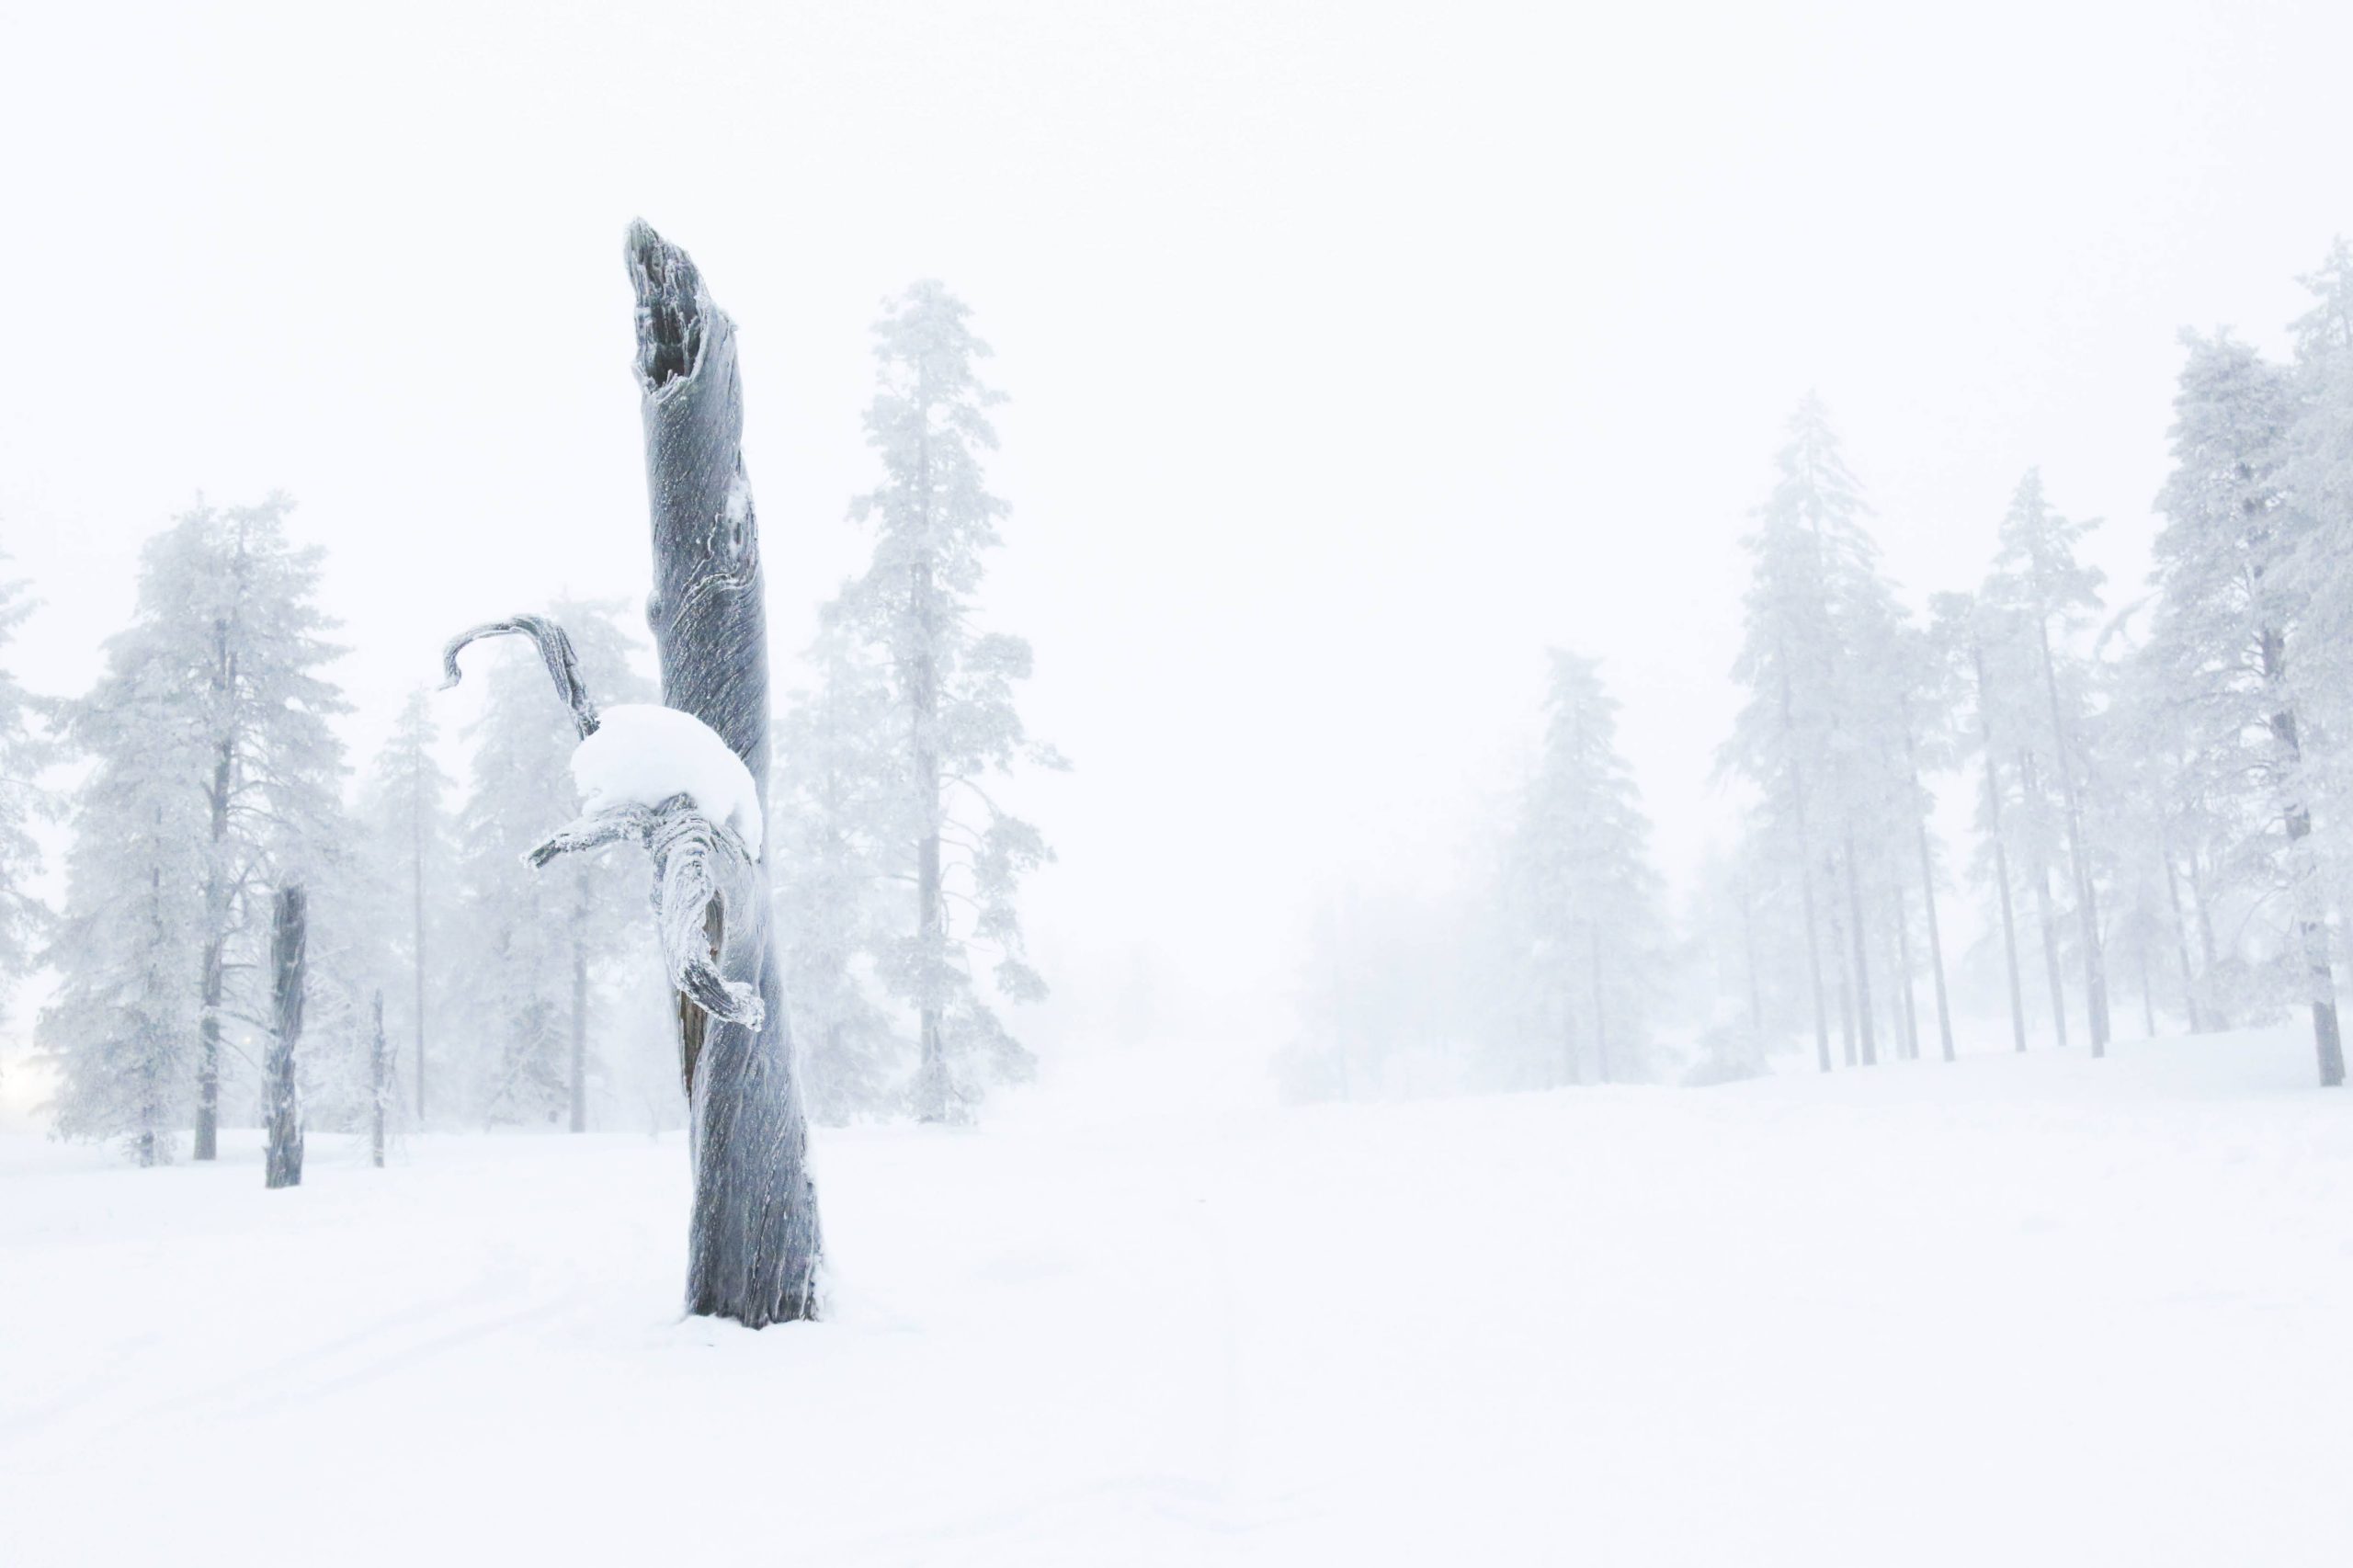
(1580,862)
(404,816)
(224,657)
(1810,736)
(2317,471)
(24,752)
(952,687)
(2049,598)
(835,841)
(532,940)
(2229,625)
(122,1027)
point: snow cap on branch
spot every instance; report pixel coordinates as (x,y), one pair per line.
(643,754)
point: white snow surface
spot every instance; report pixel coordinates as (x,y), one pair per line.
(2022,1310)
(643,754)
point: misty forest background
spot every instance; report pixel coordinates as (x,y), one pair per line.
(2153,783)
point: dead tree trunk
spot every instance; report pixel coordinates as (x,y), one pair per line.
(754,1242)
(283,1161)
(380,1083)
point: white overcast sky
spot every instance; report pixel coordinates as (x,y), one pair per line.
(1356,352)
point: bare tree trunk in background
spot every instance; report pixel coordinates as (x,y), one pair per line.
(2001,854)
(283,1165)
(2148,997)
(2039,876)
(1903,967)
(1600,1009)
(1862,958)
(2181,941)
(1842,951)
(1748,953)
(379,1084)
(1805,890)
(2087,894)
(1928,901)
(216,938)
(753,1244)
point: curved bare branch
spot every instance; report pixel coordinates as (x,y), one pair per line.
(555,648)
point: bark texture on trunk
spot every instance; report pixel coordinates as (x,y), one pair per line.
(282,1165)
(754,1240)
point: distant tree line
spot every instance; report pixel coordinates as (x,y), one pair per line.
(447,984)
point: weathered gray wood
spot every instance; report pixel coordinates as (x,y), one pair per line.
(754,1245)
(282,1109)
(753,1240)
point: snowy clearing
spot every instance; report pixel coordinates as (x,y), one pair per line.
(2039,1309)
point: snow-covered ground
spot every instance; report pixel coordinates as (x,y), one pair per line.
(2037,1310)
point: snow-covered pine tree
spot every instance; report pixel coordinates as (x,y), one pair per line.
(2317,471)
(952,687)
(234,602)
(219,679)
(2228,630)
(532,938)
(122,1028)
(2050,597)
(1580,856)
(1818,732)
(832,845)
(405,818)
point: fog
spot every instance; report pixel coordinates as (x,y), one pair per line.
(1356,354)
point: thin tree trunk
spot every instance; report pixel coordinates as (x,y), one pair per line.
(1928,899)
(2040,879)
(379,1084)
(1843,950)
(2148,997)
(1903,967)
(1748,953)
(2001,854)
(1600,1009)
(1805,884)
(216,938)
(1862,960)
(754,1242)
(2181,940)
(2087,894)
(283,1166)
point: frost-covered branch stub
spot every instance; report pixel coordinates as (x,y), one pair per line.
(667,780)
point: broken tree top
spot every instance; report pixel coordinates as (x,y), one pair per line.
(643,754)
